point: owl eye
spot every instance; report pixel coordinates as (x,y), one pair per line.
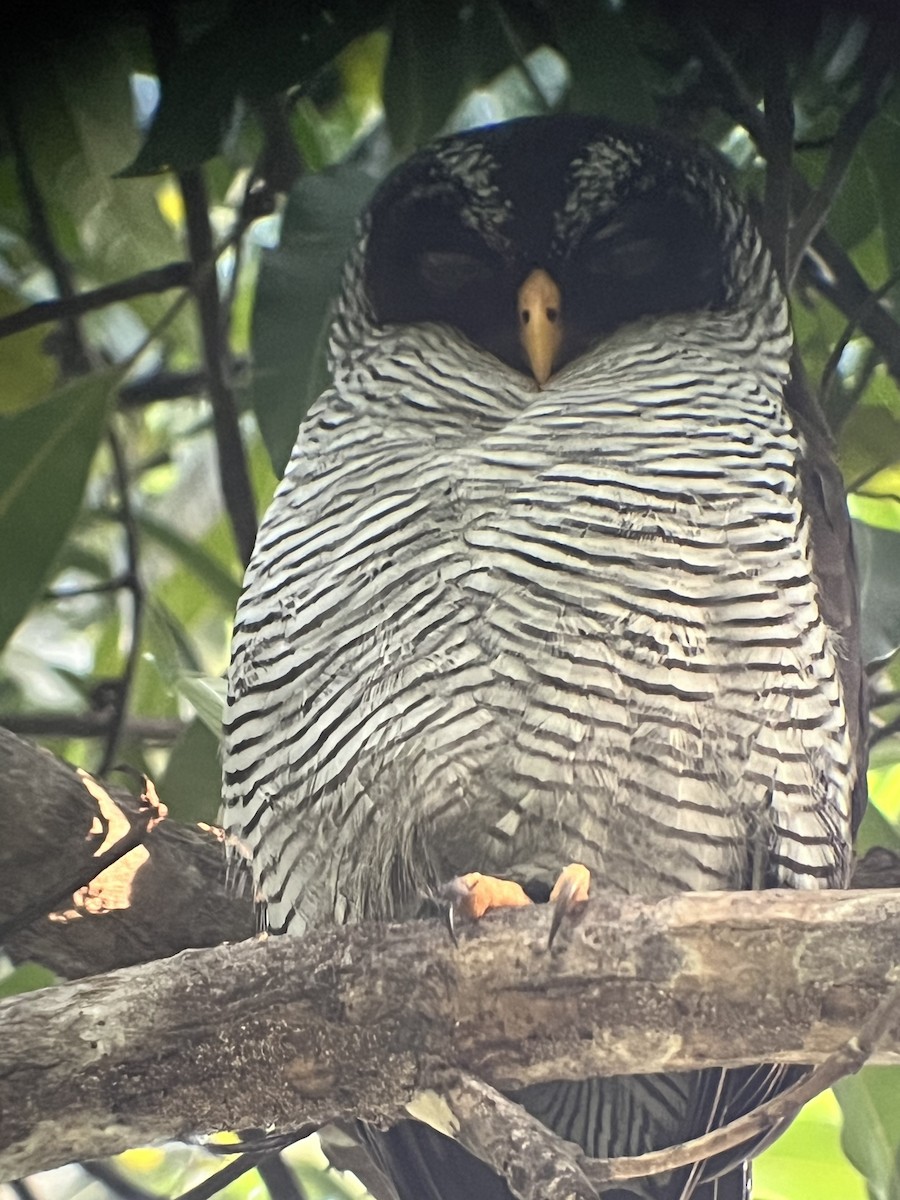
(446,272)
(625,257)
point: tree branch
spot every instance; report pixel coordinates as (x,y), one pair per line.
(879,59)
(176,897)
(94,724)
(841,283)
(234,475)
(358,1021)
(160,279)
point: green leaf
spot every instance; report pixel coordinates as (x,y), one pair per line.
(607,70)
(284,44)
(854,212)
(292,314)
(869,442)
(203,567)
(425,75)
(876,830)
(807,1160)
(27,374)
(878,558)
(45,456)
(206,694)
(27,977)
(192,784)
(879,153)
(871,1105)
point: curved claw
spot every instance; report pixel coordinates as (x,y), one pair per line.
(570,894)
(471,896)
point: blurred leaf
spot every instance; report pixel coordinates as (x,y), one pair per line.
(884,794)
(878,565)
(78,124)
(855,210)
(869,441)
(207,697)
(608,73)
(192,784)
(27,373)
(284,44)
(871,1105)
(876,830)
(27,977)
(879,153)
(45,455)
(297,283)
(200,563)
(807,1160)
(428,68)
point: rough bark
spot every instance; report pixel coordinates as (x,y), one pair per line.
(357,1021)
(364,1021)
(174,897)
(177,897)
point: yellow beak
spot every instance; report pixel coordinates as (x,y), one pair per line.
(540,323)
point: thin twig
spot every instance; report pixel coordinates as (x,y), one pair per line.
(737,101)
(520,57)
(850,328)
(88,589)
(846,1060)
(850,293)
(90,725)
(162,385)
(115,1181)
(133,583)
(74,356)
(160,279)
(878,55)
(234,476)
(845,287)
(779,116)
(884,732)
(214,1184)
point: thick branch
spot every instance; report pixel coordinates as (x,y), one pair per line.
(176,898)
(358,1021)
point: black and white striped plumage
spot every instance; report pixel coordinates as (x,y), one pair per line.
(499,627)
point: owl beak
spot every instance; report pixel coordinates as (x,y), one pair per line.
(540,323)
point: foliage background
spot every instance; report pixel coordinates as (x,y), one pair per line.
(178,186)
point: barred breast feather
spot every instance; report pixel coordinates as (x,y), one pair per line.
(500,628)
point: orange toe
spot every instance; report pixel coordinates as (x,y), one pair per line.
(570,892)
(573,886)
(475,894)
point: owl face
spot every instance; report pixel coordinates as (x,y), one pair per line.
(537,238)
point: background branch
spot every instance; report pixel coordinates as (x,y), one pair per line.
(234,476)
(178,896)
(160,279)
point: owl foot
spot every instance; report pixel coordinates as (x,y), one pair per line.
(473,895)
(569,895)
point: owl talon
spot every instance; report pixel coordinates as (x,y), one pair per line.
(472,896)
(570,894)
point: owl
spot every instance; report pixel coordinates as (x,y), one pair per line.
(559,573)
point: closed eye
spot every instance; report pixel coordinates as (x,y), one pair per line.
(627,259)
(448,271)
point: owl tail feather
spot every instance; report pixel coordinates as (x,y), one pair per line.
(423,1164)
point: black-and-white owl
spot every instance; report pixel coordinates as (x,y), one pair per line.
(559,572)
